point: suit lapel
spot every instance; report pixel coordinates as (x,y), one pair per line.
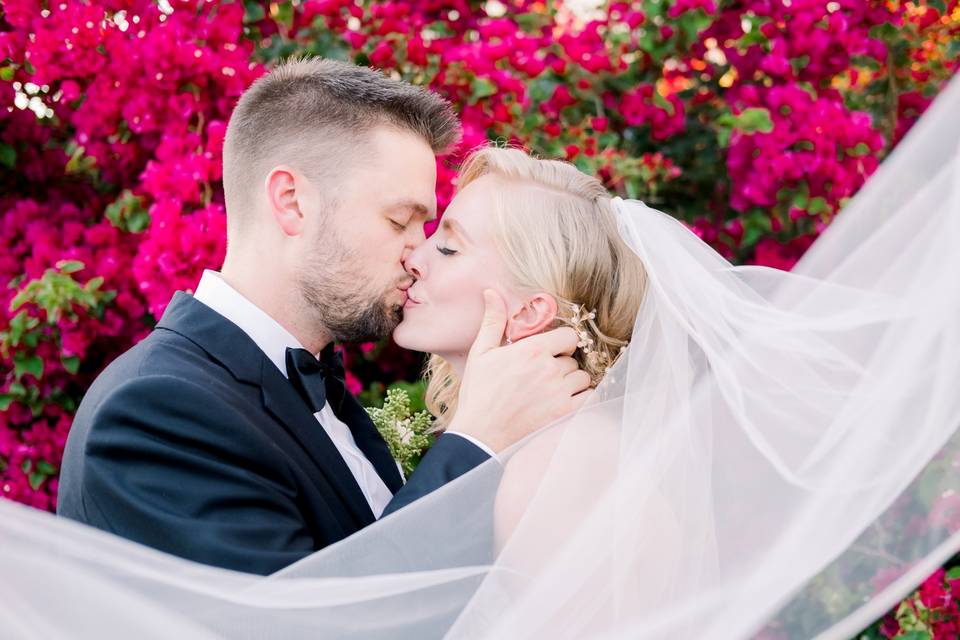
(281,400)
(370,442)
(239,354)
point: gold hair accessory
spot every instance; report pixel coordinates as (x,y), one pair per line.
(579,321)
(594,361)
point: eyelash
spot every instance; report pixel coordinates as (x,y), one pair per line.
(398,226)
(445,251)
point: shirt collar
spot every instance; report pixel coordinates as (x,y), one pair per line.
(266,332)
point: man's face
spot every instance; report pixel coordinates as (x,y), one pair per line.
(353,280)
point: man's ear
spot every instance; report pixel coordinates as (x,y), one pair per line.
(284,186)
(536,314)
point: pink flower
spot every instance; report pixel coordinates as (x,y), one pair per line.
(382,55)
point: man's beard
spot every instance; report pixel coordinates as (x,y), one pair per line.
(329,287)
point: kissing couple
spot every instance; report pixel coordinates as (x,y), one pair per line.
(637,438)
(227,436)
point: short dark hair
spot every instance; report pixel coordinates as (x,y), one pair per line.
(316,114)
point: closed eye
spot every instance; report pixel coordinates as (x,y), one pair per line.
(398,226)
(445,251)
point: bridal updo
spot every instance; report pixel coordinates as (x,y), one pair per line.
(556,230)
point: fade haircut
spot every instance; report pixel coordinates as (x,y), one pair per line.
(317,115)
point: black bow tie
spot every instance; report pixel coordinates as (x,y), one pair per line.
(317,380)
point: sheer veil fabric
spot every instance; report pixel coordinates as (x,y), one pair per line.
(774,455)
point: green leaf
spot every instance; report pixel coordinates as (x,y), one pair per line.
(284,13)
(939,5)
(723,137)
(687,27)
(23,364)
(18,325)
(46,468)
(138,221)
(754,35)
(885,31)
(26,465)
(753,120)
(80,163)
(953,574)
(36,479)
(481,88)
(253,11)
(127,213)
(542,88)
(663,103)
(533,21)
(953,48)
(441,29)
(861,149)
(8,156)
(818,205)
(799,64)
(6,399)
(756,224)
(801,199)
(93,284)
(71,364)
(811,91)
(7,72)
(70,266)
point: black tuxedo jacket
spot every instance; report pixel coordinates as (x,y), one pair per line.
(193,442)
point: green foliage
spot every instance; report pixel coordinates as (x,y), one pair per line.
(405,431)
(56,293)
(8,156)
(481,88)
(750,121)
(39,307)
(127,213)
(39,474)
(913,618)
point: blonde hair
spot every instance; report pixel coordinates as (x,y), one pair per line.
(556,230)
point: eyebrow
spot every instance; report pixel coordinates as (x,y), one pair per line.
(418,208)
(455,227)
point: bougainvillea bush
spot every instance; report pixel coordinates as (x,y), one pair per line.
(752,121)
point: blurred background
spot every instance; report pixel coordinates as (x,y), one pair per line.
(751,121)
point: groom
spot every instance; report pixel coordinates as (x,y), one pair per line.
(227,436)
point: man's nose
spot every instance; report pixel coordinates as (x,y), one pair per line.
(411,265)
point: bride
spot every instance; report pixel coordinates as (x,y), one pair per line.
(544,236)
(764,453)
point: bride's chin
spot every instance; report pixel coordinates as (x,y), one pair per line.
(404,336)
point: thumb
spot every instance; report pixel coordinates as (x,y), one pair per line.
(493,324)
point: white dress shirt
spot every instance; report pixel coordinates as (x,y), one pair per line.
(273,340)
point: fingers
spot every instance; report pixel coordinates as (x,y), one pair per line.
(565,365)
(562,341)
(580,399)
(493,323)
(577,382)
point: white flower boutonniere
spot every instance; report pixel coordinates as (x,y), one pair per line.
(407,435)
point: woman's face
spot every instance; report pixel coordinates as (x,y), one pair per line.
(453,267)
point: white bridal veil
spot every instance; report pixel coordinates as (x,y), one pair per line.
(774,455)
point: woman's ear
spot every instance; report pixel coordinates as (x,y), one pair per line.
(536,314)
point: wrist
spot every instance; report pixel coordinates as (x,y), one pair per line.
(479,444)
(475,428)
